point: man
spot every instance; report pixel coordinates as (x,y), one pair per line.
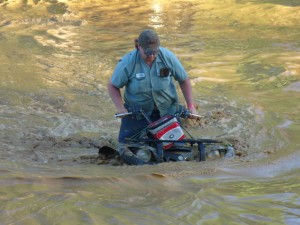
(148,75)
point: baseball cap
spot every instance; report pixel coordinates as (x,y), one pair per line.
(149,41)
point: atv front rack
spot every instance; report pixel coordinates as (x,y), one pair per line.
(160,150)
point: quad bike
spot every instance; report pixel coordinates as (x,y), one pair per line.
(166,140)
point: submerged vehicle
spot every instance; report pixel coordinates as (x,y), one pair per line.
(166,140)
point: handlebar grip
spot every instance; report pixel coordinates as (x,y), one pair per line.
(195,115)
(122,114)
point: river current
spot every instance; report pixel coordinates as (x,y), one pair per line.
(56,56)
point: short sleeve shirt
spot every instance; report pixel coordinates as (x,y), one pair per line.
(145,86)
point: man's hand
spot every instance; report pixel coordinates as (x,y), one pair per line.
(122,110)
(193,112)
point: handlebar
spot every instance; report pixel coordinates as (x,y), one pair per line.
(195,115)
(122,114)
(183,114)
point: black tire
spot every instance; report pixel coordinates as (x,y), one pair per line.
(202,154)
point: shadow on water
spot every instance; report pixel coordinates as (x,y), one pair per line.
(292,3)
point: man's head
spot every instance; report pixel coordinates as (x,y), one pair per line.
(149,42)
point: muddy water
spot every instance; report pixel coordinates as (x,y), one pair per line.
(56,56)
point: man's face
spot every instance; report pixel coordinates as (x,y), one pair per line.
(149,58)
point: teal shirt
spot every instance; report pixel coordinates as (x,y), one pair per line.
(144,86)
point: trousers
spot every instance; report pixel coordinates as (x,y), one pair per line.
(131,126)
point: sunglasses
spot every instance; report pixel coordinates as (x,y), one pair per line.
(150,52)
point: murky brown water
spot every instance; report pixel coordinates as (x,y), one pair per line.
(56,57)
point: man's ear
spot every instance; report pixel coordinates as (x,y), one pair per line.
(136,43)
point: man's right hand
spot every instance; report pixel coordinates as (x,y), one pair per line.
(122,110)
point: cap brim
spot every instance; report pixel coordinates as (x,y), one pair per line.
(152,51)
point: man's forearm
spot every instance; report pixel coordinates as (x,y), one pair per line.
(116,97)
(186,89)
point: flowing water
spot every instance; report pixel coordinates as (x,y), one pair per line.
(243,57)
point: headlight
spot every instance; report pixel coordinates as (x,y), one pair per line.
(180,158)
(144,154)
(213,154)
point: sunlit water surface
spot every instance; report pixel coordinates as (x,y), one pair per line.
(56,57)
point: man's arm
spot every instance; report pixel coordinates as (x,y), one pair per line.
(186,88)
(116,97)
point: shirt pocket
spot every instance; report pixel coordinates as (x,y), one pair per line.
(161,83)
(137,85)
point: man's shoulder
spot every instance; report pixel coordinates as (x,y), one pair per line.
(129,57)
(127,63)
(166,53)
